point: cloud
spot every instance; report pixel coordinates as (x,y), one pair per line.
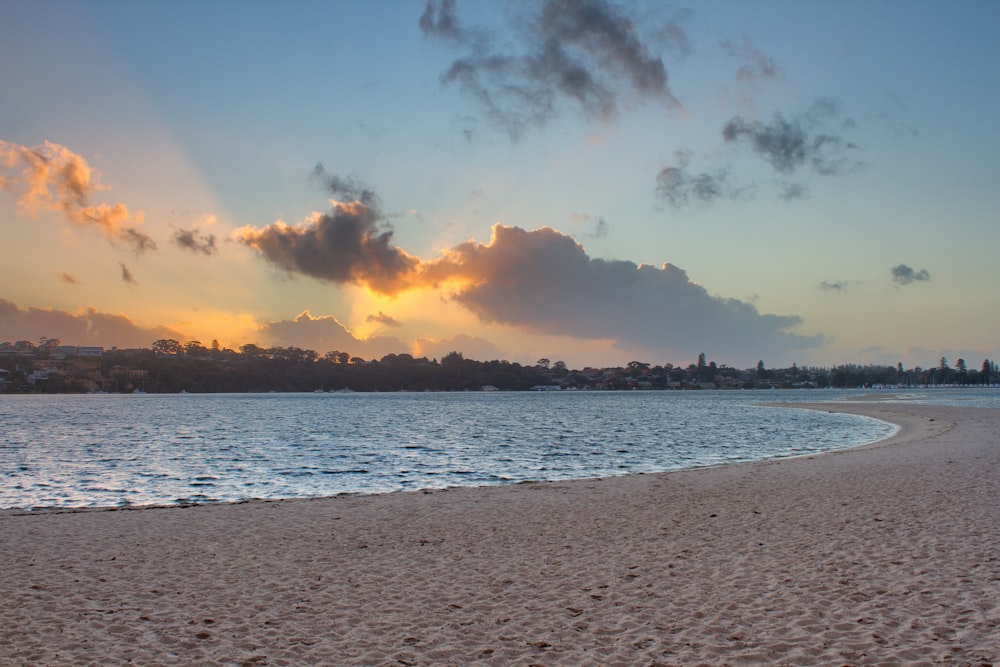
(540,282)
(68,278)
(679,187)
(836,286)
(470,347)
(807,140)
(671,36)
(126,274)
(599,228)
(793,191)
(904,275)
(85,327)
(755,65)
(382,318)
(587,54)
(441,21)
(543,282)
(325,334)
(344,188)
(350,244)
(195,241)
(50,177)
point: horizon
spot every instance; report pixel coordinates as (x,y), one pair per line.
(792,183)
(182,351)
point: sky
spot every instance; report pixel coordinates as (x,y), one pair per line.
(594,182)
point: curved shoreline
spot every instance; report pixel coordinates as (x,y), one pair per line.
(660,466)
(884,553)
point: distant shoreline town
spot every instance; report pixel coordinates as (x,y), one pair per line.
(168,366)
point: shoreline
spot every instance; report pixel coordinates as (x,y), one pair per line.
(885,552)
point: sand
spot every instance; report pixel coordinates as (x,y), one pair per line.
(886,554)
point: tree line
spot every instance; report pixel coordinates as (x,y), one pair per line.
(170,366)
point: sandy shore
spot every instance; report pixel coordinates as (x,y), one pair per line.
(887,554)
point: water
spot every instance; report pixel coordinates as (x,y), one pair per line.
(120,450)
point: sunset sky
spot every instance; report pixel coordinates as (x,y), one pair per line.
(593,182)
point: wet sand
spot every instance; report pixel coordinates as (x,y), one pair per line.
(885,554)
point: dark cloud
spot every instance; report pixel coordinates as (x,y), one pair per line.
(350,244)
(68,278)
(325,334)
(127,274)
(50,177)
(807,140)
(836,286)
(344,188)
(904,275)
(793,191)
(582,53)
(601,228)
(596,227)
(678,187)
(86,327)
(543,282)
(671,36)
(440,20)
(195,241)
(382,318)
(140,242)
(755,64)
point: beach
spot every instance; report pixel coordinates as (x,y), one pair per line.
(883,554)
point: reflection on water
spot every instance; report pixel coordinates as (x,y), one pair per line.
(102,450)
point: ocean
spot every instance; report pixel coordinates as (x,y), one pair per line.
(67,451)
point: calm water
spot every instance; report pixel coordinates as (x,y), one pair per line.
(103,450)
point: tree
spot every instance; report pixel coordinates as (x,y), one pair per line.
(251,351)
(453,358)
(195,349)
(167,347)
(543,362)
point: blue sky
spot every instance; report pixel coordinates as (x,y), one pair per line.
(596,182)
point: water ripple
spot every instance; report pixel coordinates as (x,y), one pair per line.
(107,450)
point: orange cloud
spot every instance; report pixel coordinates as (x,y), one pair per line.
(85,327)
(539,282)
(50,177)
(324,334)
(347,245)
(471,347)
(543,282)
